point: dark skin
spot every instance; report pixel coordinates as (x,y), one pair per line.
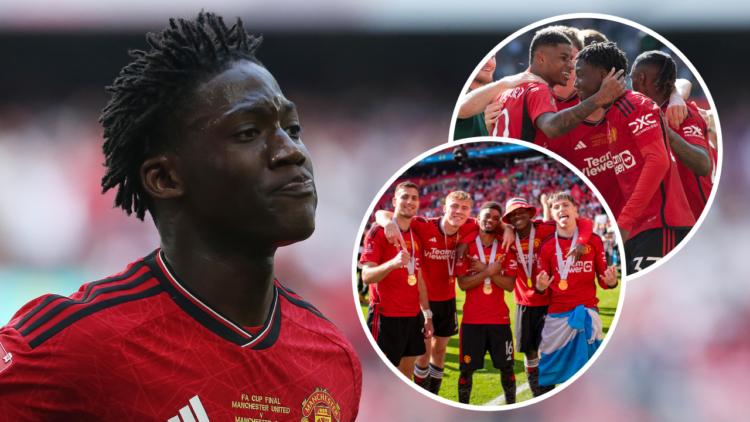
(237,186)
(552,64)
(489,220)
(520,219)
(694,157)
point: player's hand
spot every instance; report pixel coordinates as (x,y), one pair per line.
(496,267)
(401,259)
(492,112)
(613,87)
(462,249)
(543,280)
(624,235)
(428,328)
(392,233)
(477,265)
(577,251)
(523,78)
(543,199)
(676,111)
(509,238)
(707,116)
(610,276)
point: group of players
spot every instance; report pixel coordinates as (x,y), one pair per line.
(413,265)
(655,173)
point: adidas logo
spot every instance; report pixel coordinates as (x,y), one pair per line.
(580,145)
(434,239)
(187,414)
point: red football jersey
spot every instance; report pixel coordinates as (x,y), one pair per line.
(392,296)
(437,255)
(633,122)
(587,148)
(694,130)
(138,346)
(523,105)
(581,279)
(564,103)
(481,308)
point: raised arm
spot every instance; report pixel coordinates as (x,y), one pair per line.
(677,110)
(557,124)
(694,157)
(476,101)
(374,273)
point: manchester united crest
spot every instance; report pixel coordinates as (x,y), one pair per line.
(320,407)
(613,135)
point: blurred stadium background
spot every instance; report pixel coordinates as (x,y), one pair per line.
(376,86)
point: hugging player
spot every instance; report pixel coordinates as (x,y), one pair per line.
(199,135)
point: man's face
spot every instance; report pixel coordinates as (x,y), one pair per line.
(456,212)
(486,72)
(558,63)
(489,219)
(520,218)
(241,160)
(563,212)
(588,79)
(406,202)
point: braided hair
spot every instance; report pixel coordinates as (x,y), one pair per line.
(605,55)
(154,91)
(659,60)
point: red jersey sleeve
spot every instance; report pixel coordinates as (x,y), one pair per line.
(655,167)
(510,265)
(463,265)
(539,100)
(600,260)
(694,129)
(373,249)
(585,229)
(643,124)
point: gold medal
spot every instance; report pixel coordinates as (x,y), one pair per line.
(528,280)
(563,284)
(487,289)
(412,279)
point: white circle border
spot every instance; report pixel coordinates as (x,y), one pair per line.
(720,149)
(363,321)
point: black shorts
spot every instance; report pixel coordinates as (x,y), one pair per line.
(397,336)
(651,245)
(444,318)
(529,326)
(477,339)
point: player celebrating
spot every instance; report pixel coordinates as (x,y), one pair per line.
(572,329)
(530,112)
(486,323)
(654,74)
(199,134)
(531,308)
(439,235)
(656,215)
(394,317)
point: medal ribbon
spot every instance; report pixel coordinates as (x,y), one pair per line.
(527,266)
(451,262)
(564,268)
(410,265)
(480,248)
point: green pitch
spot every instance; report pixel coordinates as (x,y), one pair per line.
(487,381)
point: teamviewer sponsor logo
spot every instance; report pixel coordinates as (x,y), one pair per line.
(187,414)
(639,126)
(437,253)
(619,162)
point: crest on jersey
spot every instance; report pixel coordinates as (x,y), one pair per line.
(613,135)
(588,249)
(6,358)
(467,358)
(320,407)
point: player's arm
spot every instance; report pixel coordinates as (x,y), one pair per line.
(607,277)
(384,219)
(545,208)
(476,101)
(655,167)
(677,110)
(374,273)
(424,304)
(694,157)
(557,124)
(585,229)
(544,275)
(482,271)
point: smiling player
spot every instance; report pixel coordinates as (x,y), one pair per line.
(531,113)
(199,134)
(572,328)
(656,215)
(486,323)
(439,235)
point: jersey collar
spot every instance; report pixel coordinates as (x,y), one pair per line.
(211,319)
